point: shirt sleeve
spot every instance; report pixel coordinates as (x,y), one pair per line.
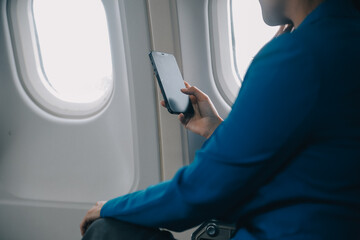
(265,129)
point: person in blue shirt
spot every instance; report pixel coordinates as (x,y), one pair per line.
(285,163)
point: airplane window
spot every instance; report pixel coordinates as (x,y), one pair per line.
(250,33)
(74,48)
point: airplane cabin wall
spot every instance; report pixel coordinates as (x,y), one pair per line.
(52,169)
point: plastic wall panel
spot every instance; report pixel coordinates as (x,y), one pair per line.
(56,159)
(196,57)
(143,88)
(53,169)
(164,30)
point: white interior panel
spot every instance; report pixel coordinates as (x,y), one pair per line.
(196,57)
(53,169)
(57,159)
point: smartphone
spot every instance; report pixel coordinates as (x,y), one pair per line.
(170,81)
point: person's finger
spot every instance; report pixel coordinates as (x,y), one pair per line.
(193,100)
(162,103)
(183,119)
(86,226)
(195,92)
(83,227)
(194,103)
(187,85)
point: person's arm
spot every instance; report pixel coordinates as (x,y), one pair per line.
(206,119)
(268,123)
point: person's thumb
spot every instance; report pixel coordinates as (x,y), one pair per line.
(195,92)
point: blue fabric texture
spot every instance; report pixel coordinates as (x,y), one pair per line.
(285,164)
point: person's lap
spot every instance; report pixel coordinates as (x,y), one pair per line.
(112,229)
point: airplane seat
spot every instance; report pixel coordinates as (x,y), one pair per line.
(214,230)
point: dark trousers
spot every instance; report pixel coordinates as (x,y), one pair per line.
(111,229)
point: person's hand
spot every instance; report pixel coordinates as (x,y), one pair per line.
(205,119)
(284,29)
(91,216)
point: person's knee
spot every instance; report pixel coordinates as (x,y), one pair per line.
(99,223)
(100,229)
(112,229)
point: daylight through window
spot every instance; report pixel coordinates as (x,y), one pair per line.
(250,33)
(74,46)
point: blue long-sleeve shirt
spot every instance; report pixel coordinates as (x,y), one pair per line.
(285,164)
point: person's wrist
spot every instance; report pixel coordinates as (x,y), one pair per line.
(216,122)
(101,206)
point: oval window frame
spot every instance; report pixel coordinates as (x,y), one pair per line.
(223,50)
(30,70)
(224,69)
